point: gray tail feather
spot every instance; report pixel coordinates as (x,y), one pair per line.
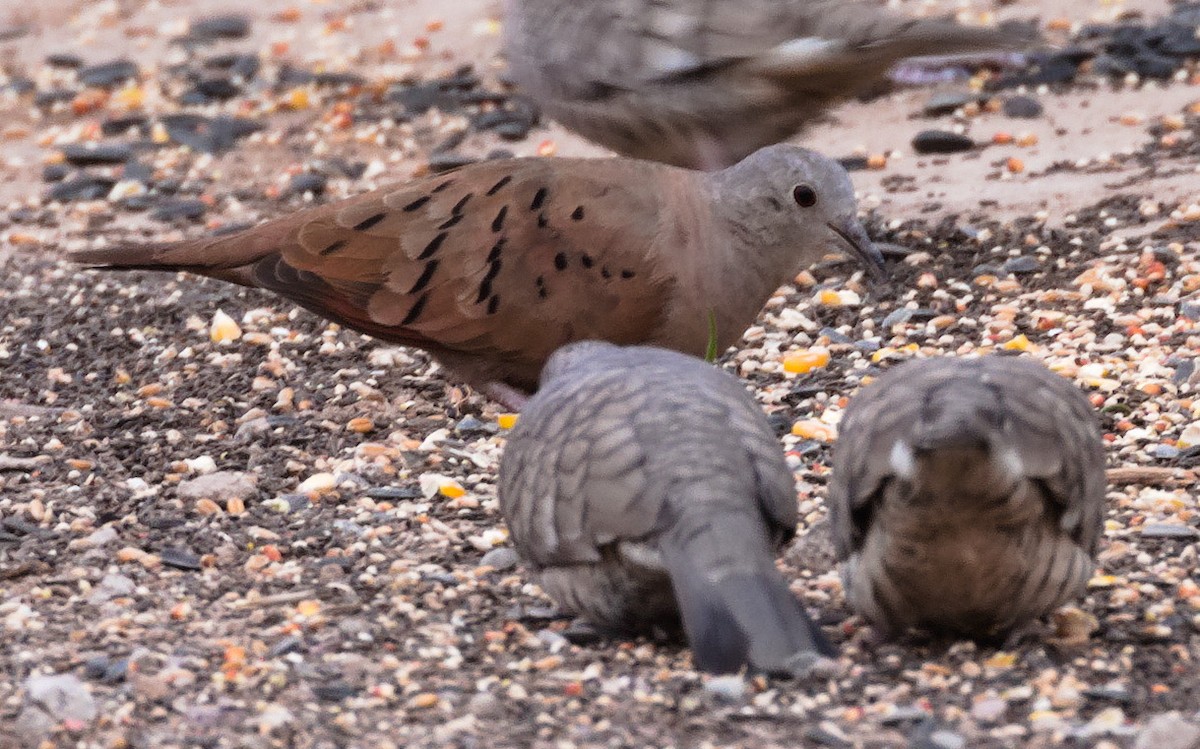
(742,617)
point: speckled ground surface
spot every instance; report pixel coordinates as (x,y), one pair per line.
(291,538)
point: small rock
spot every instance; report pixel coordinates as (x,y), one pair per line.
(53,701)
(96,154)
(947,102)
(485,705)
(180,559)
(102,536)
(220,486)
(941,141)
(1023,264)
(1025,107)
(500,559)
(232,26)
(731,688)
(109,74)
(989,710)
(929,735)
(334,691)
(1168,530)
(110,587)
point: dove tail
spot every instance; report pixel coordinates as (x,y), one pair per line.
(738,611)
(230,257)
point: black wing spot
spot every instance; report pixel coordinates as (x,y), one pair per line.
(499,186)
(369,221)
(493,304)
(485,286)
(498,222)
(626,274)
(443,186)
(415,312)
(433,246)
(543,222)
(460,205)
(426,277)
(587,261)
(332,248)
(560,261)
(417,203)
(542,293)
(577,214)
(494,255)
(605,272)
(539,199)
(451,221)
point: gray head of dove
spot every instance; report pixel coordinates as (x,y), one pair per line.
(796,202)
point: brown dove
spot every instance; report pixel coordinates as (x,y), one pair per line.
(704,83)
(493,267)
(642,486)
(967,496)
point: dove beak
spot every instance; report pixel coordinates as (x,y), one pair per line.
(860,245)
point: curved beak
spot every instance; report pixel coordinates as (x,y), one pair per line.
(859,245)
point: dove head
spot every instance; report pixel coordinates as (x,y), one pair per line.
(796,205)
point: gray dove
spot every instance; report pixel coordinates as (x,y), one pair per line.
(641,487)
(704,83)
(492,267)
(967,496)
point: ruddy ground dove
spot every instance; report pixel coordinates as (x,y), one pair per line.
(493,267)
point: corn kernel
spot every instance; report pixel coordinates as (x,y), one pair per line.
(805,361)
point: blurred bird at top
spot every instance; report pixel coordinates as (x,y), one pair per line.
(704,83)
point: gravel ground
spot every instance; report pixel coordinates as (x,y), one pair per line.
(225,523)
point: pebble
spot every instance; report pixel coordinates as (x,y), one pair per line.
(96,154)
(1168,530)
(174,210)
(1025,107)
(929,735)
(219,486)
(948,102)
(109,74)
(731,688)
(52,701)
(180,559)
(941,141)
(501,558)
(230,26)
(1022,264)
(111,586)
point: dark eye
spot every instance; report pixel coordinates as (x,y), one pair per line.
(805,196)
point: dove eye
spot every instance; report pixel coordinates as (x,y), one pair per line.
(805,196)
